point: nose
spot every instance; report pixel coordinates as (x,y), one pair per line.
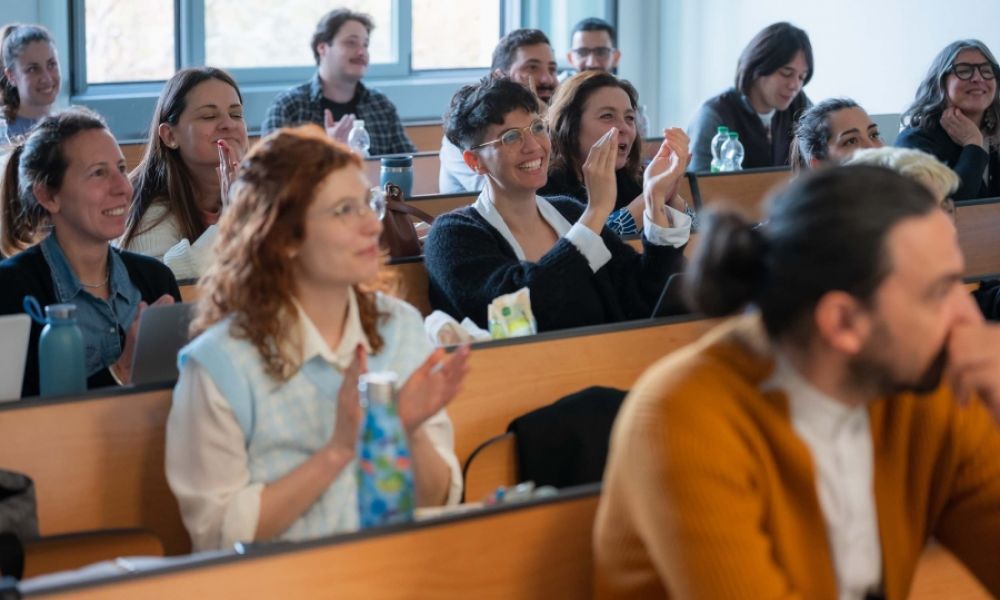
(371,224)
(121,184)
(964,309)
(530,142)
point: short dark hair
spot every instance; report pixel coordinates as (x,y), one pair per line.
(812,131)
(39,160)
(826,231)
(594,24)
(932,95)
(503,54)
(330,23)
(772,48)
(476,106)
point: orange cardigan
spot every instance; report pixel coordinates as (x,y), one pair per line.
(710,493)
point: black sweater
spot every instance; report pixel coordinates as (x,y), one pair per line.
(470,263)
(27,274)
(969,162)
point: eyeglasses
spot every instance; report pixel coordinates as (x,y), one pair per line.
(513,137)
(376,204)
(964,71)
(602,52)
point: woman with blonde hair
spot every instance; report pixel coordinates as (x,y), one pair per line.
(261,436)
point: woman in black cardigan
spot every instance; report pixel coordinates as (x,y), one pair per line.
(578,271)
(70,175)
(956,117)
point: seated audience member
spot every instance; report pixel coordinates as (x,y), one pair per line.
(70,174)
(830,132)
(765,103)
(592,46)
(577,270)
(178,185)
(583,109)
(942,183)
(261,436)
(809,448)
(29,81)
(955,117)
(524,55)
(335,96)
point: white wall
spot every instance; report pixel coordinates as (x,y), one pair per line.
(875,51)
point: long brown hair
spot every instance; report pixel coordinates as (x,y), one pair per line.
(250,279)
(14,39)
(566,112)
(162,175)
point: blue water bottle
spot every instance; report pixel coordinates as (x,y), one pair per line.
(385,467)
(398,170)
(61,368)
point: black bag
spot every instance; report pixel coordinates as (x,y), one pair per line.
(399,236)
(18,520)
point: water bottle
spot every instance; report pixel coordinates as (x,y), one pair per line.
(642,122)
(721,135)
(358,139)
(385,471)
(732,152)
(398,170)
(61,368)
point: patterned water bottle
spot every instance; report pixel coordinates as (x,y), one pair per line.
(385,467)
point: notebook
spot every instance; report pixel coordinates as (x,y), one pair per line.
(163,330)
(14,331)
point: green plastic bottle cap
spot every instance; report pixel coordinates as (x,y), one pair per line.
(733,135)
(722,129)
(506,311)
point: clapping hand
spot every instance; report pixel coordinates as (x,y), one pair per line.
(122,369)
(345,430)
(337,130)
(432,386)
(599,175)
(229,162)
(664,173)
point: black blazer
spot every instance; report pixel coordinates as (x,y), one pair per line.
(968,162)
(27,274)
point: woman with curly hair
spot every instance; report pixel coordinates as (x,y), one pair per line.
(955,117)
(261,436)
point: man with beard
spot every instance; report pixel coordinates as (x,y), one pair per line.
(335,97)
(810,447)
(524,55)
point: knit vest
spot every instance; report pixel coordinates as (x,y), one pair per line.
(284,423)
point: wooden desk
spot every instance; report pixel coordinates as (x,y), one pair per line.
(426,136)
(425,172)
(978,223)
(745,190)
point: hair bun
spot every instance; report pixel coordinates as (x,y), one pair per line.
(728,266)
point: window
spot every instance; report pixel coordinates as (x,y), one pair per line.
(263,41)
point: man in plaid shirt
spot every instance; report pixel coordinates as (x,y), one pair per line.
(335,96)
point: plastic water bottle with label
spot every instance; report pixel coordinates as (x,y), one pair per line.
(358,139)
(732,153)
(721,135)
(385,466)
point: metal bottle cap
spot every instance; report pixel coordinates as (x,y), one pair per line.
(377,386)
(60,312)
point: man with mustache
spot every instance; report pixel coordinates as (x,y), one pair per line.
(335,96)
(812,445)
(524,55)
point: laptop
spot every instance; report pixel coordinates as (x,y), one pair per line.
(14,332)
(163,331)
(671,301)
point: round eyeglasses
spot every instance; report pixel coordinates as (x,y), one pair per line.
(964,71)
(376,204)
(514,137)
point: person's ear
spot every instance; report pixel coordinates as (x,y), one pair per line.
(499,73)
(9,74)
(472,161)
(45,197)
(615,57)
(167,135)
(569,59)
(843,323)
(814,163)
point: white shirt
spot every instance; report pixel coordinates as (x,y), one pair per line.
(206,456)
(164,242)
(590,244)
(840,441)
(454,175)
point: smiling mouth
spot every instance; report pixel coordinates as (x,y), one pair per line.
(114,212)
(531,165)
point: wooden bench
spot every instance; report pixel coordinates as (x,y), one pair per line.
(978,223)
(426,136)
(540,549)
(744,189)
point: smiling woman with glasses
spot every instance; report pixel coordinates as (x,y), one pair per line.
(956,117)
(578,271)
(261,435)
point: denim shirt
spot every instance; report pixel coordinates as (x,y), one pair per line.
(103,323)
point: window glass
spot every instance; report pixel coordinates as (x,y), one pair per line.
(451,34)
(265,33)
(129,41)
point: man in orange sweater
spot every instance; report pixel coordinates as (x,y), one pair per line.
(810,447)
